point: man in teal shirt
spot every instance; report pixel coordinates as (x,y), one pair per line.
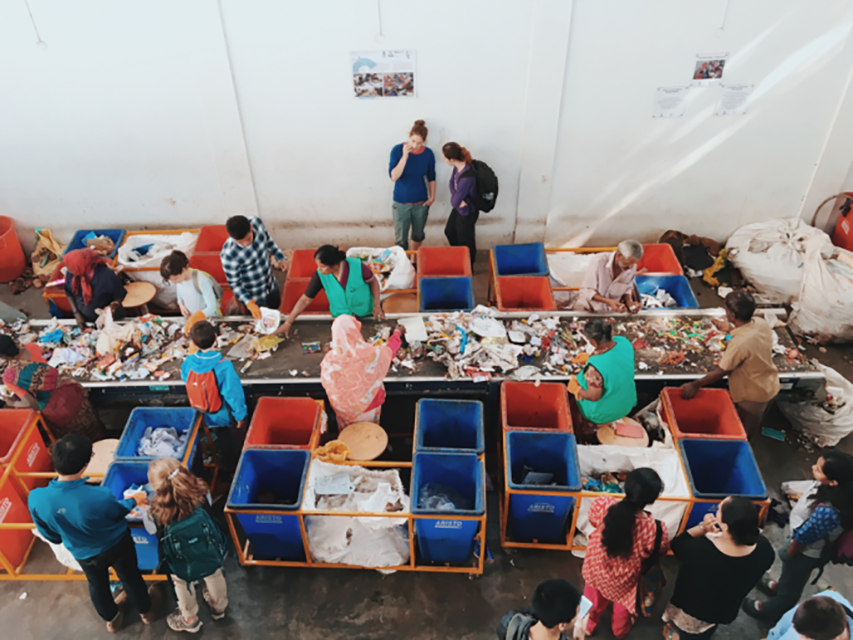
(91,523)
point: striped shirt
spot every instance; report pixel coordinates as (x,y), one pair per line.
(248,269)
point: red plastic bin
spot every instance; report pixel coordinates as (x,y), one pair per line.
(659,259)
(526,407)
(302,264)
(525,293)
(22,446)
(444,262)
(205,256)
(14,543)
(711,414)
(284,423)
(293,290)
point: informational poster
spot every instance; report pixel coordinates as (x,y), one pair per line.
(709,69)
(383,74)
(733,101)
(669,102)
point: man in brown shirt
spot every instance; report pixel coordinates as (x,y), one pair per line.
(748,362)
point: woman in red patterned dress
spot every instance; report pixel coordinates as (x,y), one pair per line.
(624,536)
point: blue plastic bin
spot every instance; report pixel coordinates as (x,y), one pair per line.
(79,239)
(541,516)
(182,419)
(282,473)
(449,425)
(717,469)
(676,286)
(521,259)
(119,476)
(448,539)
(445,294)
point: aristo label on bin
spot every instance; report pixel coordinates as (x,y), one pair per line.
(267,519)
(32,453)
(141,540)
(448,524)
(541,507)
(5,505)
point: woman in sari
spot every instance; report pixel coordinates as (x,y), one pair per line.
(63,403)
(91,286)
(353,370)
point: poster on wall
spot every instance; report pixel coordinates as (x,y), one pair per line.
(734,99)
(383,74)
(669,102)
(709,69)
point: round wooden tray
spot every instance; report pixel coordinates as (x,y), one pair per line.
(366,440)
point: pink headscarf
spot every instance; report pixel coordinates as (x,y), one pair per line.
(353,371)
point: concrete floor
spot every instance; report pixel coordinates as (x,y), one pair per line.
(350,604)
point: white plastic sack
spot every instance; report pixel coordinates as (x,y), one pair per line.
(567,268)
(402,275)
(63,555)
(825,305)
(598,459)
(164,244)
(365,541)
(826,429)
(770,256)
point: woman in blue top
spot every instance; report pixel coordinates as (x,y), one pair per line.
(820,516)
(412,170)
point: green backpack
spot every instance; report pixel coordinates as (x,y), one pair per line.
(194,547)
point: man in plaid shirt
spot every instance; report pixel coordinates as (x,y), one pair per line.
(248,258)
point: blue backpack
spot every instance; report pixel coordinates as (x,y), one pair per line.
(194,547)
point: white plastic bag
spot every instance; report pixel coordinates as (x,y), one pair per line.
(162,245)
(825,305)
(598,459)
(770,256)
(403,273)
(269,321)
(364,541)
(825,428)
(63,555)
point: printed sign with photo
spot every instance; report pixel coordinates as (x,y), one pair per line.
(709,69)
(383,74)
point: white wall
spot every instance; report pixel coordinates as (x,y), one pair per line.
(619,172)
(160,114)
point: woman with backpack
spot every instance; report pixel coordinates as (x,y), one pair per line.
(819,518)
(722,559)
(460,228)
(191,543)
(625,536)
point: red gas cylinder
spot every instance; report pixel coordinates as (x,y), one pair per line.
(843,234)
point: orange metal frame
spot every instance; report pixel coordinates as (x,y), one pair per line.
(10,475)
(243,546)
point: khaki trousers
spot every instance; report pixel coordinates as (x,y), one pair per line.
(187,601)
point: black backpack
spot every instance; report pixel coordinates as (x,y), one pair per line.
(487,186)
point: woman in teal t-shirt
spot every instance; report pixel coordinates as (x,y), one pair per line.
(605,389)
(350,286)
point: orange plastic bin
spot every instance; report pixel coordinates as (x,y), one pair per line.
(293,290)
(711,414)
(302,264)
(527,407)
(525,293)
(22,446)
(14,543)
(659,259)
(443,262)
(284,423)
(12,259)
(205,256)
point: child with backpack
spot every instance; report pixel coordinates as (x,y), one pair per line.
(197,291)
(214,388)
(191,542)
(551,616)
